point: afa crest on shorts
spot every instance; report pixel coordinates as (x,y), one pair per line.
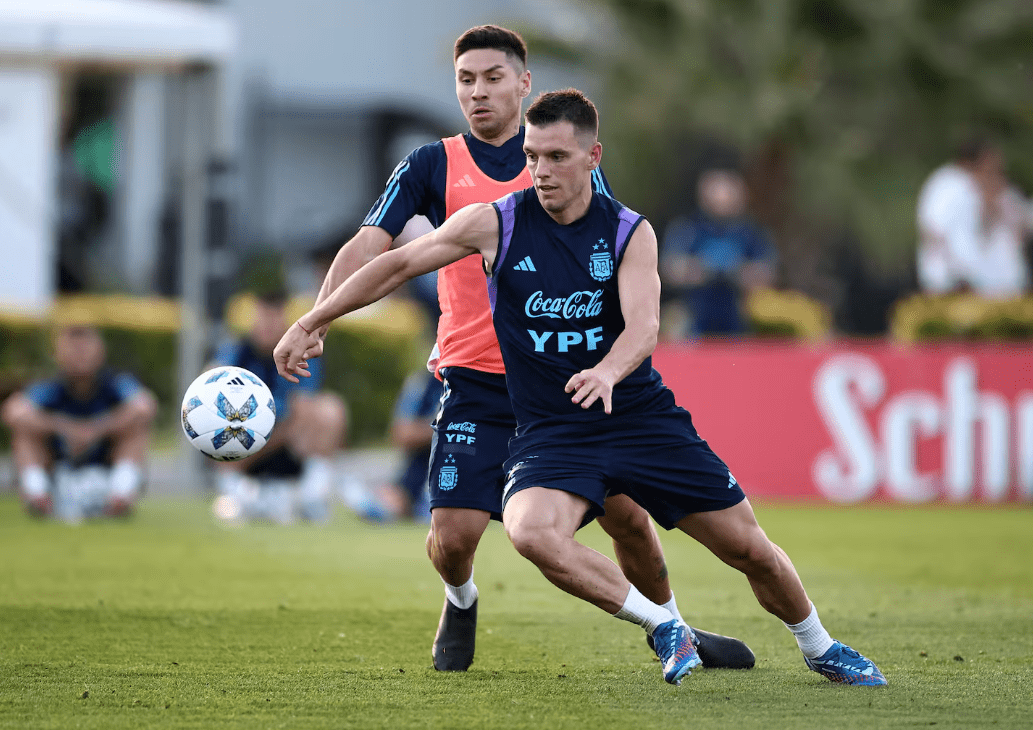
(448,478)
(600,266)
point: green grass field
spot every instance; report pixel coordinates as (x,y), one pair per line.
(173,621)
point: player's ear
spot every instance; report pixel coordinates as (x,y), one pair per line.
(525,83)
(595,155)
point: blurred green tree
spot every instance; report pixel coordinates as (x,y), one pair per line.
(839,108)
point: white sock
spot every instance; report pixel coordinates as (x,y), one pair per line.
(812,637)
(125,480)
(672,606)
(316,478)
(462,596)
(640,610)
(35,482)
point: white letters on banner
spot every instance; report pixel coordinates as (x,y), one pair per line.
(975,427)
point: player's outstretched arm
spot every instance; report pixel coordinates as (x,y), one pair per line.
(474,229)
(639,286)
(368,243)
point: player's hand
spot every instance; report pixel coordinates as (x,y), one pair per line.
(588,386)
(292,352)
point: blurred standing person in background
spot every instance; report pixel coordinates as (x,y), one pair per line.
(972,227)
(293,476)
(418,401)
(80,439)
(412,433)
(476,421)
(716,258)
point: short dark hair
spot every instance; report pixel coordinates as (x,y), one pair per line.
(568,105)
(273,297)
(495,38)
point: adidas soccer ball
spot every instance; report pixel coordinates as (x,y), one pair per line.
(228,413)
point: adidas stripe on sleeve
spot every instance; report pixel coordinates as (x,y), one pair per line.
(410,191)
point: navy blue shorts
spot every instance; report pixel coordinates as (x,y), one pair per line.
(657,459)
(471,441)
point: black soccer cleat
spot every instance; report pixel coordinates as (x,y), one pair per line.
(723,652)
(717,651)
(454,642)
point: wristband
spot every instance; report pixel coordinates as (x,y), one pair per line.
(303,328)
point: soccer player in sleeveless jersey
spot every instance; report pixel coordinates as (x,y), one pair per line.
(576,298)
(476,422)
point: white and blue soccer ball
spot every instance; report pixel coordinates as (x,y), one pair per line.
(228,413)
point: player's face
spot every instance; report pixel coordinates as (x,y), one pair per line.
(79,352)
(490,90)
(561,161)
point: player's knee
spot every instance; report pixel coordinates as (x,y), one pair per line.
(327,409)
(627,526)
(451,546)
(754,554)
(533,542)
(324,414)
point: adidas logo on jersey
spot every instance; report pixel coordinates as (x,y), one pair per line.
(525,265)
(235,381)
(464,182)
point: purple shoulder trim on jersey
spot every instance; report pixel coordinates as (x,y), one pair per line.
(505,207)
(629,221)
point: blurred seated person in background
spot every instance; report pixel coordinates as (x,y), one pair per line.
(716,258)
(972,227)
(79,439)
(293,476)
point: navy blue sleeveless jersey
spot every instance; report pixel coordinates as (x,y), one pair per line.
(417,185)
(556,308)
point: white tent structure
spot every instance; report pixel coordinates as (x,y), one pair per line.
(122,31)
(144,40)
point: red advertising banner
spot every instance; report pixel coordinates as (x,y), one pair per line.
(849,422)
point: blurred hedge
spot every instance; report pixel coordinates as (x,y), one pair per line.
(923,318)
(778,313)
(367,355)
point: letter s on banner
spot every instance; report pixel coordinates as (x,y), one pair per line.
(850,473)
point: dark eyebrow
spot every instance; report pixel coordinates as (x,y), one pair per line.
(496,67)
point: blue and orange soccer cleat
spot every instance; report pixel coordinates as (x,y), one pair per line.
(844,665)
(675,648)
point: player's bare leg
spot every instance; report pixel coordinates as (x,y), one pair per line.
(451,545)
(32,462)
(637,547)
(128,461)
(734,536)
(640,556)
(317,429)
(541,524)
(319,424)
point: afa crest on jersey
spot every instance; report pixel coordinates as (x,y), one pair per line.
(600,266)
